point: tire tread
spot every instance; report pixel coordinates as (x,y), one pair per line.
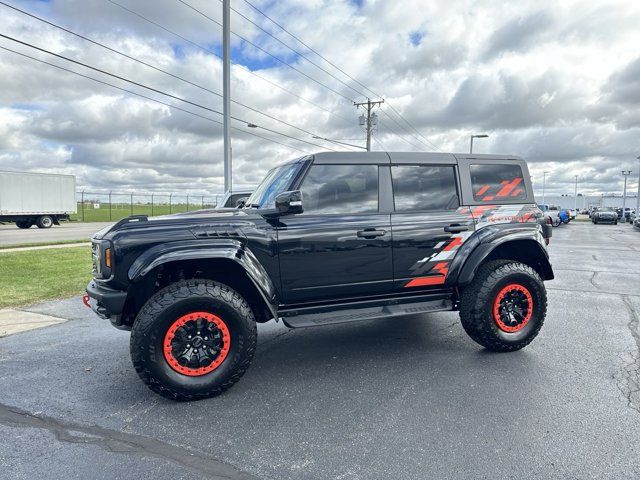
(163,299)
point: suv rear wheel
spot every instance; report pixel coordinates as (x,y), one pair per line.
(504,307)
(194,339)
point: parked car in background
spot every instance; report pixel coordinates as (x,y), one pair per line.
(605,215)
(573,213)
(636,223)
(230,199)
(627,213)
(551,212)
(564,215)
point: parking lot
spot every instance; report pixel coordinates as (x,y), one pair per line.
(409,398)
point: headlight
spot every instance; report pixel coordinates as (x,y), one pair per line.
(101,258)
(95,259)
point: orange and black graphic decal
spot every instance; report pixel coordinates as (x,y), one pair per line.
(433,270)
(507,188)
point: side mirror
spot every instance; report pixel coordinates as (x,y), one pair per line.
(241,202)
(288,203)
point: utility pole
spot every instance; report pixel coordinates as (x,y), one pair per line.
(575,195)
(371,119)
(626,173)
(544,184)
(226,90)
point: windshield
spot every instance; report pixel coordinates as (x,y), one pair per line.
(276,181)
(605,209)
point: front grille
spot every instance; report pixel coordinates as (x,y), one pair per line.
(95,259)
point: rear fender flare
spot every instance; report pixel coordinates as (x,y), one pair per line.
(524,239)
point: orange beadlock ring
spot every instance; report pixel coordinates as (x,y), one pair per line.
(180,323)
(498,305)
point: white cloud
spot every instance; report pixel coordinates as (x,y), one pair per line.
(555,82)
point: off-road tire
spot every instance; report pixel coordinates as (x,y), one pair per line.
(24,224)
(159,314)
(477,305)
(45,221)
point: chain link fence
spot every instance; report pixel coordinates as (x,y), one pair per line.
(113,206)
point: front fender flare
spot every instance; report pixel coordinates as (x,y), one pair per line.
(228,249)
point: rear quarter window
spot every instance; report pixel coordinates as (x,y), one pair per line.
(492,183)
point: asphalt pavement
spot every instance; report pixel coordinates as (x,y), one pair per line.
(402,399)
(12,235)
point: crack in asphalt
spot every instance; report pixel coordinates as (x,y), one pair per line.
(628,378)
(115,441)
(592,280)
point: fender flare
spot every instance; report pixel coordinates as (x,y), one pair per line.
(227,249)
(480,253)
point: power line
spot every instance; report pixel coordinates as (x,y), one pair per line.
(211,52)
(258,47)
(292,49)
(148,98)
(175,97)
(412,127)
(399,135)
(154,67)
(402,128)
(311,49)
(332,64)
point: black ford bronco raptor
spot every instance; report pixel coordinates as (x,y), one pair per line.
(324,239)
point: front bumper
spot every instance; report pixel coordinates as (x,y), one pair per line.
(107,302)
(607,219)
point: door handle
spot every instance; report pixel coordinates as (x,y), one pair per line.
(456,228)
(370,233)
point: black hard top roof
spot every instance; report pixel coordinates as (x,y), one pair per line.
(405,157)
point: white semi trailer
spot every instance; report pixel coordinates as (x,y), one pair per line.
(40,199)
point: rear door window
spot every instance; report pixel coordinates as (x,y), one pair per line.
(497,182)
(424,187)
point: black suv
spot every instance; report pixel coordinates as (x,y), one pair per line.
(324,239)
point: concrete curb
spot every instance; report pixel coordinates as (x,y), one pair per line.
(44,247)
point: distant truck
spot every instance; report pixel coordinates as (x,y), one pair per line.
(40,199)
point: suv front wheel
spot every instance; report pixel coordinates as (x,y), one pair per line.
(193,339)
(505,305)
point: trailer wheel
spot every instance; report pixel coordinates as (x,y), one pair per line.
(24,224)
(45,221)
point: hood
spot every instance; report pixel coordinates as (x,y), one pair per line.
(231,217)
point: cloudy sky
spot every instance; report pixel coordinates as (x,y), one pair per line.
(557,82)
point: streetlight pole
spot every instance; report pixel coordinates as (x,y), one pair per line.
(544,184)
(226,90)
(625,173)
(575,196)
(476,136)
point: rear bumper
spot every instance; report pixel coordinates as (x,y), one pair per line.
(107,302)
